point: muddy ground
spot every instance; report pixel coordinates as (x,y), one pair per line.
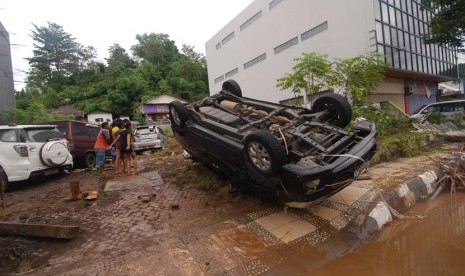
(123,226)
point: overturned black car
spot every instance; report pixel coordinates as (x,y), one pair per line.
(279,152)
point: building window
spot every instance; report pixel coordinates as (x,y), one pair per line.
(400,27)
(228,38)
(286,45)
(274,3)
(254,61)
(219,79)
(231,73)
(314,31)
(251,20)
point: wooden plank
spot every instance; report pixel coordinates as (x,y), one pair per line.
(39,230)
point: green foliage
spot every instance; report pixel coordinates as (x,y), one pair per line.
(312,73)
(64,72)
(360,75)
(385,123)
(437,117)
(34,114)
(447,27)
(402,144)
(357,76)
(396,137)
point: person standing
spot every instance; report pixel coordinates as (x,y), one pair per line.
(101,145)
(126,139)
(115,131)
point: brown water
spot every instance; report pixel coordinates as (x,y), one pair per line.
(434,245)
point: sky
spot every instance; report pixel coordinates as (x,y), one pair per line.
(102,23)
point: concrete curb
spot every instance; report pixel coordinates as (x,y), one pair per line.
(402,198)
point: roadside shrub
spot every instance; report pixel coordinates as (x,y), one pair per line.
(437,118)
(396,137)
(385,123)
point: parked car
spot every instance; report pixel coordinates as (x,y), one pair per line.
(148,138)
(81,137)
(28,151)
(451,109)
(283,153)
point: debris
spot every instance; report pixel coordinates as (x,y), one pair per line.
(75,191)
(89,195)
(454,172)
(175,205)
(40,230)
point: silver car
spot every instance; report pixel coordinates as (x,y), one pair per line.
(149,138)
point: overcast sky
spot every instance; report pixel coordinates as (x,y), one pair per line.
(101,23)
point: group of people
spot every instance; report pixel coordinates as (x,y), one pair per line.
(118,134)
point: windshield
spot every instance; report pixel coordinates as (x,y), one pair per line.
(42,134)
(146,131)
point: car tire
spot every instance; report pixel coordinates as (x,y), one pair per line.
(265,152)
(233,87)
(3,180)
(178,115)
(89,160)
(340,112)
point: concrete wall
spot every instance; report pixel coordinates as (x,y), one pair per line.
(390,90)
(7,92)
(350,32)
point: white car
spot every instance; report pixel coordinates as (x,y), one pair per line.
(28,151)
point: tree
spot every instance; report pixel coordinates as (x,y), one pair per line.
(356,77)
(312,74)
(157,49)
(56,57)
(359,76)
(447,27)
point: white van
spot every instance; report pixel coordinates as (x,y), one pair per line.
(451,109)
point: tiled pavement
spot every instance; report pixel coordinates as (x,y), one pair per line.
(137,238)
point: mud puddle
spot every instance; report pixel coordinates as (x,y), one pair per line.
(434,245)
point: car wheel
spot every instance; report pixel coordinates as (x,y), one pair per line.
(338,110)
(89,160)
(233,87)
(178,115)
(3,180)
(265,152)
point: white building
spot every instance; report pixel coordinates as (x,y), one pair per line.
(7,91)
(258,46)
(98,117)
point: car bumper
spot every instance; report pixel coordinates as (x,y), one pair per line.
(39,172)
(333,177)
(140,146)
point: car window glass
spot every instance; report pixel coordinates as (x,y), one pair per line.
(79,129)
(92,131)
(161,131)
(42,134)
(145,131)
(62,127)
(9,135)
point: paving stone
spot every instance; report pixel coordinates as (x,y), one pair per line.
(285,227)
(276,220)
(293,230)
(349,195)
(324,212)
